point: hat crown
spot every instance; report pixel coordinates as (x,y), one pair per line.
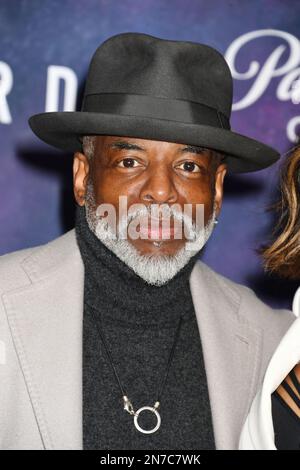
(140,64)
(146,87)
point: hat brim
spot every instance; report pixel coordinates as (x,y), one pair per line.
(63,130)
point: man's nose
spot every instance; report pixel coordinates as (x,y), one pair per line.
(159,188)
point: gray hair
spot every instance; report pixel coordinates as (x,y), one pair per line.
(88,146)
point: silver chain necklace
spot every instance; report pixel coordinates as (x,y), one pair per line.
(127,403)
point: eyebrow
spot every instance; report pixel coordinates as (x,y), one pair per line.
(123,145)
(193,149)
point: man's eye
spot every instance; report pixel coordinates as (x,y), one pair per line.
(128,163)
(190,166)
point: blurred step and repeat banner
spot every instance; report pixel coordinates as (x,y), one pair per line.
(45,50)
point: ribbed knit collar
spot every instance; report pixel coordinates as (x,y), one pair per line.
(110,283)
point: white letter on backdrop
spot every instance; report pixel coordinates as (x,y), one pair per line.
(55,74)
(6,83)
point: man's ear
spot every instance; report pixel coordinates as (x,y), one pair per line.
(80,176)
(219,181)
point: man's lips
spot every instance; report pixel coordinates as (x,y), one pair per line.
(156,229)
(160,234)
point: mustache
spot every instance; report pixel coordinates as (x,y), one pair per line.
(154,213)
(142,216)
(165,216)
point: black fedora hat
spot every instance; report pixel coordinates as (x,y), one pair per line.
(151,88)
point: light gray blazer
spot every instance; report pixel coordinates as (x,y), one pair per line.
(41,312)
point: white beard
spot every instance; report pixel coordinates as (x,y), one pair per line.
(155,269)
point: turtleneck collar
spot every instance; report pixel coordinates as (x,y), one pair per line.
(109,281)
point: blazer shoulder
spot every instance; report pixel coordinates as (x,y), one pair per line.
(251,308)
(13,265)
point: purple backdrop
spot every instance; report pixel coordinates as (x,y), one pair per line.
(43,40)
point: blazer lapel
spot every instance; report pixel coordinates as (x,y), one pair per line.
(45,318)
(231,350)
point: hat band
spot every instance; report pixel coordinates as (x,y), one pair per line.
(157,108)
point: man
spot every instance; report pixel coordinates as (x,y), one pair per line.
(116,335)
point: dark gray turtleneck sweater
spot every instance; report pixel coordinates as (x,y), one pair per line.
(139,323)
